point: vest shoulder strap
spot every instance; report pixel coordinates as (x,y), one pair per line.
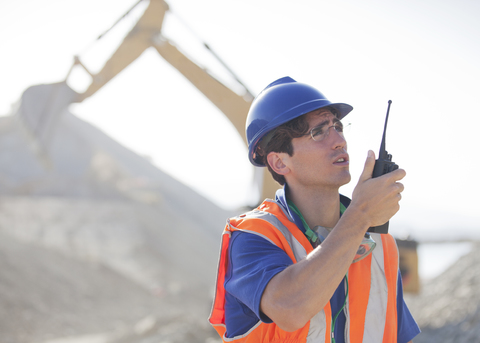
(271,222)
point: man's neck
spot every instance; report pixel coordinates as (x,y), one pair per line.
(317,207)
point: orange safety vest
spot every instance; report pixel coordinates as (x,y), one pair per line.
(371,308)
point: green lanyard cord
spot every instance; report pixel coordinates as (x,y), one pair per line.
(311,235)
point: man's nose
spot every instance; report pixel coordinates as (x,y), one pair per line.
(337,138)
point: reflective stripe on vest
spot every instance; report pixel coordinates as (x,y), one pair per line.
(371,309)
(371,304)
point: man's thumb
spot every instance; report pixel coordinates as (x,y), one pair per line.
(368,168)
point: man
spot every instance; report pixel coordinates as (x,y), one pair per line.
(302,268)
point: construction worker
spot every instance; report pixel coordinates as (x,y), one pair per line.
(302,267)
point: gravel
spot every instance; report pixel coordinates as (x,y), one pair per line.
(448,307)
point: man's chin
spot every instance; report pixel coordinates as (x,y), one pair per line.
(345,179)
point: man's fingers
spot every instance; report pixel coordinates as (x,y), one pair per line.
(396,175)
(400,186)
(368,168)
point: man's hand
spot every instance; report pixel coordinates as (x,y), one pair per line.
(378,198)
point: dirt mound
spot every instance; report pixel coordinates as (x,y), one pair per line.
(448,308)
(46,294)
(73,267)
(148,244)
(94,238)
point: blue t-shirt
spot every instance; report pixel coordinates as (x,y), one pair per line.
(253,261)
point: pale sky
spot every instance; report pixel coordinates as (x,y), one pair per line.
(423,55)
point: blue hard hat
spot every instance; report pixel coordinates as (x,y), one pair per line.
(281,101)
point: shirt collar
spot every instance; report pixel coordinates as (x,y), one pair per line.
(281,199)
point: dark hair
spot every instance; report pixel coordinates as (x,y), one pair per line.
(281,141)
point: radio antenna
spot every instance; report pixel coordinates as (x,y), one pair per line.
(382,151)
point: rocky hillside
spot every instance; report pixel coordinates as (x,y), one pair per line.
(94,238)
(448,308)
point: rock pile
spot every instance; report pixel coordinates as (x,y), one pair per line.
(94,238)
(448,308)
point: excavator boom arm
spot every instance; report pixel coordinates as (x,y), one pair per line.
(147,33)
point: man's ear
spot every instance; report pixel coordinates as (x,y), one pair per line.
(276,162)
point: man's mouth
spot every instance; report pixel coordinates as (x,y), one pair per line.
(342,160)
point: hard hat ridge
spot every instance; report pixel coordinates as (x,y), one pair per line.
(281,101)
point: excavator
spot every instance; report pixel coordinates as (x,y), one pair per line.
(147,33)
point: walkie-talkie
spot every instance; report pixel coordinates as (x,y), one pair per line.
(383,165)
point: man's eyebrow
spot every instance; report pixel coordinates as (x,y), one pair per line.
(323,123)
(335,120)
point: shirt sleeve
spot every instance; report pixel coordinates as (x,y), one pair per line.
(253,261)
(407,327)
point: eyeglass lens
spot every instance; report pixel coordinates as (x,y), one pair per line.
(321,132)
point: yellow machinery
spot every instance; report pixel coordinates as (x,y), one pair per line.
(148,33)
(409,265)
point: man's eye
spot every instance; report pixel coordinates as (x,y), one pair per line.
(339,127)
(317,131)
